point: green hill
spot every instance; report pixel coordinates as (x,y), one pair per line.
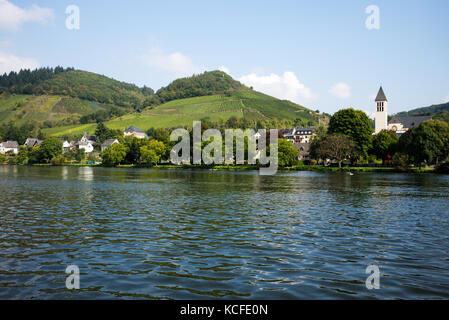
(437,111)
(205,84)
(73,101)
(76,84)
(58,97)
(249,105)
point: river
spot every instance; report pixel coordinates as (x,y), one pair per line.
(199,234)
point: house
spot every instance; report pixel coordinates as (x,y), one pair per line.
(66,146)
(87,146)
(32,142)
(108,143)
(89,138)
(298,134)
(303,135)
(136,132)
(288,134)
(9,146)
(304,150)
(403,124)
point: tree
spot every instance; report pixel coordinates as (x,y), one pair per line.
(132,145)
(354,124)
(40,135)
(335,147)
(400,161)
(152,152)
(58,160)
(49,149)
(92,157)
(114,155)
(427,143)
(287,153)
(19,134)
(33,155)
(384,144)
(160,134)
(103,133)
(22,156)
(2,158)
(149,156)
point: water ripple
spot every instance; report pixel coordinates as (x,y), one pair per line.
(181,234)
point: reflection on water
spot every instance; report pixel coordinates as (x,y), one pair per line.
(181,234)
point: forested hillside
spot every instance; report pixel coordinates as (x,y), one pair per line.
(437,111)
(205,84)
(76,84)
(59,101)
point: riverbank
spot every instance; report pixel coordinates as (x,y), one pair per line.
(316,168)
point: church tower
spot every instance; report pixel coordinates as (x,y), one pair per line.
(381,117)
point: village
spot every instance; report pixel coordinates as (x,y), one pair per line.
(301,138)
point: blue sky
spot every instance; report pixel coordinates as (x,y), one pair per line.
(317,53)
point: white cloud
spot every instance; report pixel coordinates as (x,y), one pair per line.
(286,86)
(12,16)
(176,62)
(446,99)
(340,90)
(224,69)
(9,62)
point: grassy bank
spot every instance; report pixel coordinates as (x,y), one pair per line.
(358,169)
(287,169)
(251,167)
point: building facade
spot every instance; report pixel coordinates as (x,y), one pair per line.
(381,114)
(9,146)
(135,132)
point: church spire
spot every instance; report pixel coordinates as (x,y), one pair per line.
(381,95)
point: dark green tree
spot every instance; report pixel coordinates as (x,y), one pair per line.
(49,149)
(162,135)
(132,145)
(22,156)
(354,124)
(103,133)
(384,144)
(428,143)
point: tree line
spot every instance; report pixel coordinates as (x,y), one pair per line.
(350,137)
(76,84)
(11,132)
(21,82)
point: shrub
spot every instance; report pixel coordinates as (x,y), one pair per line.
(58,160)
(401,161)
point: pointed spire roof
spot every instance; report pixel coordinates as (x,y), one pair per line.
(381,95)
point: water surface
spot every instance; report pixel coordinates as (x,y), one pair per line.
(186,234)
